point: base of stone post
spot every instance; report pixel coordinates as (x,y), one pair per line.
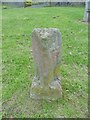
(50,92)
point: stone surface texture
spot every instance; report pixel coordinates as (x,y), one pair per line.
(46,46)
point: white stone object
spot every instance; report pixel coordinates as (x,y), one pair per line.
(46,46)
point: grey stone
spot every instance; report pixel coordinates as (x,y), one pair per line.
(46,46)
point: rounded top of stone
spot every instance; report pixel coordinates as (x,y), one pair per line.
(45,29)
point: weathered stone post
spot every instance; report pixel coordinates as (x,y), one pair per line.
(46,45)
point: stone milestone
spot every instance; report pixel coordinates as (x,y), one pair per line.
(46,46)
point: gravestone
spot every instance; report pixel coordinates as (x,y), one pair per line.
(88,11)
(46,47)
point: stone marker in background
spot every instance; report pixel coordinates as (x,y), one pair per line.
(46,45)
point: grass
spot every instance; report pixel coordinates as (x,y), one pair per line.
(18,65)
(0,61)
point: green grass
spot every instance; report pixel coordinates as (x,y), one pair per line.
(0,61)
(18,65)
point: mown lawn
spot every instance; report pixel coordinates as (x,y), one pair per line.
(18,65)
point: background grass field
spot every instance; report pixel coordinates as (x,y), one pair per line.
(18,65)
